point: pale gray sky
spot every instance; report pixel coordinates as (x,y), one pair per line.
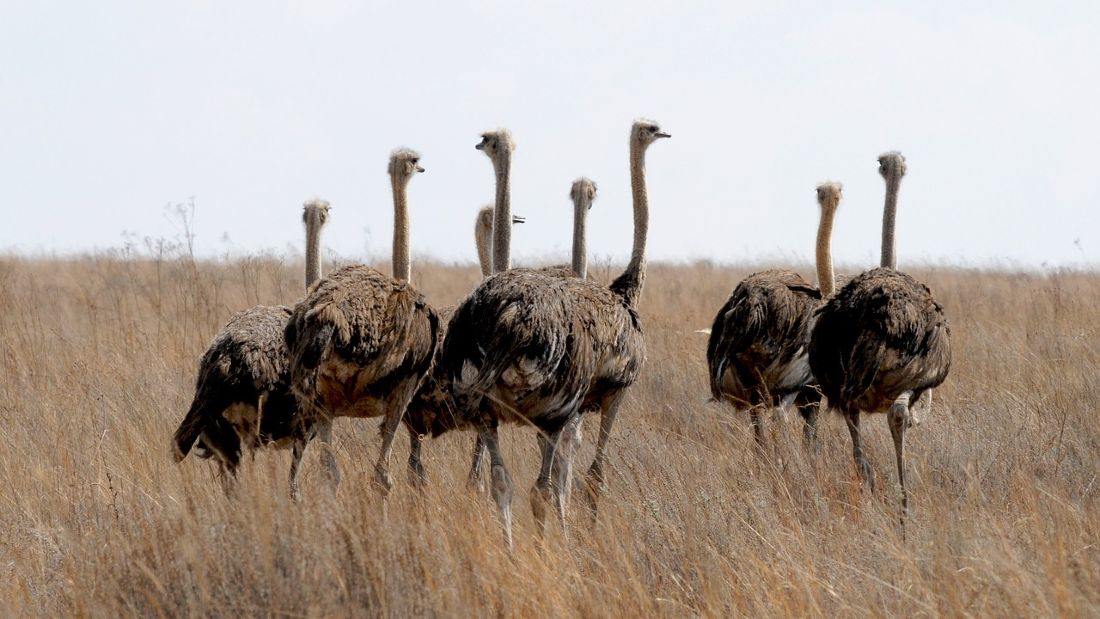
(109,110)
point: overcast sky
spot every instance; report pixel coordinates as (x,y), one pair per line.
(111,110)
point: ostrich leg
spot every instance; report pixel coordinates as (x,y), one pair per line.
(899,421)
(501,482)
(866,475)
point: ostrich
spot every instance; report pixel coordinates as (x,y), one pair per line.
(529,346)
(757,353)
(582,193)
(881,343)
(242,393)
(361,342)
(431,395)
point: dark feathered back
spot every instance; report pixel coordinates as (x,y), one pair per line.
(882,334)
(361,328)
(758,342)
(628,286)
(247,358)
(540,345)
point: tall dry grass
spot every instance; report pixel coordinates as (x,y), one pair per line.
(98,357)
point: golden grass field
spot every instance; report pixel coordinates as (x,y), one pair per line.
(98,360)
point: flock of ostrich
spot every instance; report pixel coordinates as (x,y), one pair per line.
(542,347)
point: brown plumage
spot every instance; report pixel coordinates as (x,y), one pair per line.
(757,352)
(758,344)
(242,393)
(361,342)
(242,383)
(532,347)
(881,344)
(883,334)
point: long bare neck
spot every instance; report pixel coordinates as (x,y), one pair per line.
(402,269)
(630,283)
(313,250)
(580,247)
(502,218)
(826,277)
(889,217)
(483,236)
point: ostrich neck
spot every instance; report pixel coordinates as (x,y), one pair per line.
(402,270)
(580,250)
(630,283)
(826,278)
(313,250)
(889,216)
(502,220)
(483,237)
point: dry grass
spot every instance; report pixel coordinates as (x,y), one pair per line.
(98,358)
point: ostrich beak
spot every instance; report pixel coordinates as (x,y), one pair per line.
(419,168)
(518,219)
(662,134)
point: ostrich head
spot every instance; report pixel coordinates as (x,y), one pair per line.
(423,416)
(891,164)
(828,195)
(583,190)
(485,218)
(432,410)
(646,132)
(315,212)
(404,162)
(496,144)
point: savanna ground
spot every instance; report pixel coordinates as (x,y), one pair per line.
(98,360)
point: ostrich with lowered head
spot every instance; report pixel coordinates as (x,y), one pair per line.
(242,393)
